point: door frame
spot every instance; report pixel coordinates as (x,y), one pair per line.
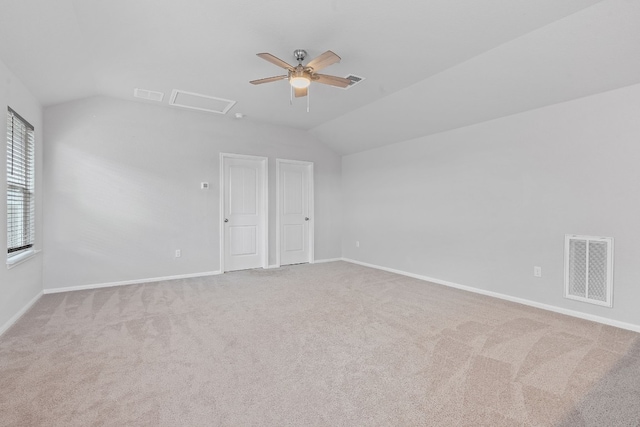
(264,211)
(311,207)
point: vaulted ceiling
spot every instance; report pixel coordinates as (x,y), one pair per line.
(429,65)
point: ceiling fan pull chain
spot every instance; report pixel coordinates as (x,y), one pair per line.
(308,97)
(291,95)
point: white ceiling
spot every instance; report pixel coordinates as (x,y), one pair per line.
(430,65)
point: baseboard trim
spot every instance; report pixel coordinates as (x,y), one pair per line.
(129,282)
(553,308)
(320,261)
(19,314)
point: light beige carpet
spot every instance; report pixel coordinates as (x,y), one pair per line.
(329,344)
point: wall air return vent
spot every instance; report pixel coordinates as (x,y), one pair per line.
(354,80)
(588,269)
(149,95)
(196,101)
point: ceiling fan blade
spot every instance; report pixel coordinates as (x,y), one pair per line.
(300,92)
(323,61)
(267,80)
(331,80)
(276,61)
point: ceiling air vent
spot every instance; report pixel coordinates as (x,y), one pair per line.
(149,95)
(354,80)
(197,101)
(588,269)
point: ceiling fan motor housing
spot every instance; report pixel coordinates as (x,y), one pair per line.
(299,71)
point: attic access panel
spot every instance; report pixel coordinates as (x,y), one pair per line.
(197,101)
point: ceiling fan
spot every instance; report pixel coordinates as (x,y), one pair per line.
(301,76)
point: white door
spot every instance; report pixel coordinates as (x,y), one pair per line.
(295,211)
(243,212)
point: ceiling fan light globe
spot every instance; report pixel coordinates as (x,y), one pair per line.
(299,82)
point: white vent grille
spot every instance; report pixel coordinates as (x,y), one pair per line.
(589,269)
(149,95)
(354,80)
(197,101)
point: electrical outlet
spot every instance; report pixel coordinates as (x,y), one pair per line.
(178,253)
(357,243)
(537,271)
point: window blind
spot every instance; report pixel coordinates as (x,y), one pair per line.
(20,184)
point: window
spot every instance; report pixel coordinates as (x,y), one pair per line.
(20,197)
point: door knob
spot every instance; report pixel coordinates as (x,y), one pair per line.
(226,220)
(306,218)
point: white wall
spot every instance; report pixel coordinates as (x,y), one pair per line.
(22,283)
(482,205)
(123,189)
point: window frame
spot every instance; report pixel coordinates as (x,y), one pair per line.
(20,188)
